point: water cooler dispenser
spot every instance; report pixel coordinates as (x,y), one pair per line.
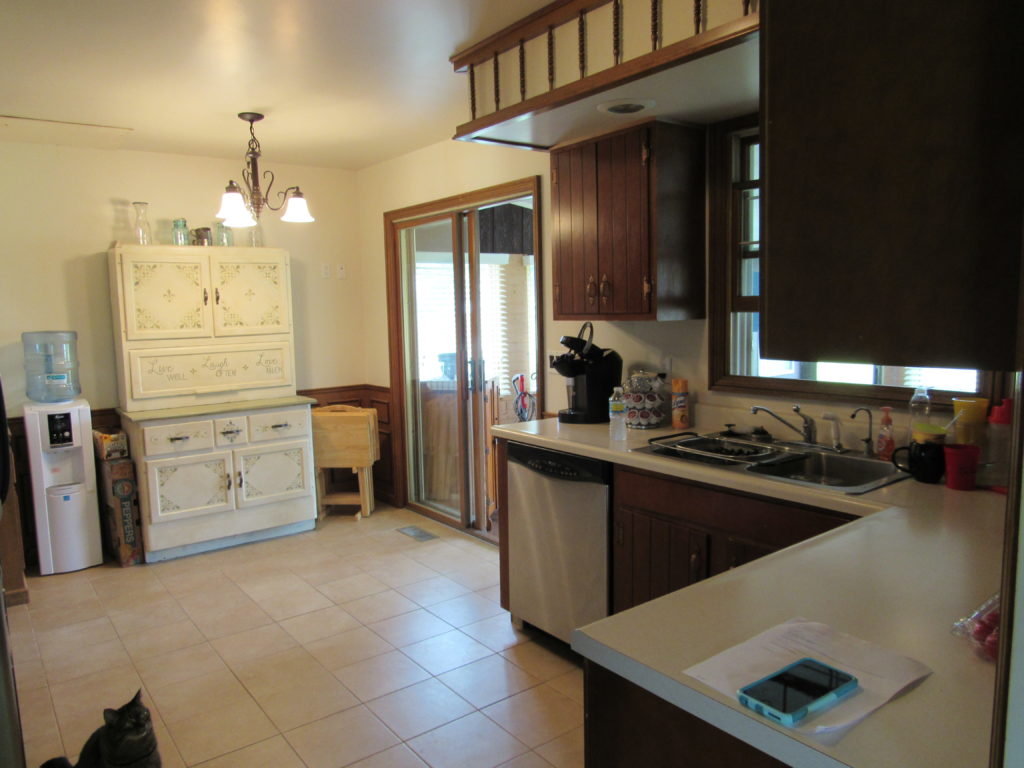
(60,453)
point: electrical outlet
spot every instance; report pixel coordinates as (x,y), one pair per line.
(325,271)
(341,272)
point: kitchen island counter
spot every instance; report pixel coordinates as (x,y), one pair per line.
(921,557)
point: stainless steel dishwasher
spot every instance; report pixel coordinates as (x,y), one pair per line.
(557,538)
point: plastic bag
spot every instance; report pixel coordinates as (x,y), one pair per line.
(981,628)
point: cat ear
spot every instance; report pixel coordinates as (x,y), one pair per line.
(109,716)
(137,699)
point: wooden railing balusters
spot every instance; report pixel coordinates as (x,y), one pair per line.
(472,90)
(582,33)
(617,31)
(551,58)
(522,69)
(655,24)
(497,84)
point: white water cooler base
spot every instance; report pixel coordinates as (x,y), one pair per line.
(74,528)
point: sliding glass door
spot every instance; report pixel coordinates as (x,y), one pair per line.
(469,325)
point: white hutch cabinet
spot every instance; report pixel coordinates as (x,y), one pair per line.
(222,445)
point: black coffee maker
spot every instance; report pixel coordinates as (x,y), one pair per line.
(591,373)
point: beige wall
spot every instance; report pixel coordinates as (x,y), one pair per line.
(64,206)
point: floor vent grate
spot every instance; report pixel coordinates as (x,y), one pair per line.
(415,532)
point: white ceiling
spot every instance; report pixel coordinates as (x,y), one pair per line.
(343,83)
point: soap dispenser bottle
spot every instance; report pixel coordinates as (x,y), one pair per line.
(884,442)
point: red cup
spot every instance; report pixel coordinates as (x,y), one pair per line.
(961,466)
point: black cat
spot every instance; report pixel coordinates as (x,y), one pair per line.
(125,740)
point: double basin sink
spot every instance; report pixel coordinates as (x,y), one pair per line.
(799,464)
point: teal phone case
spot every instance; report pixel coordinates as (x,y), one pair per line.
(789,719)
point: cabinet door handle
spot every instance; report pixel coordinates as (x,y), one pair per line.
(178,438)
(285,425)
(591,290)
(239,479)
(206,297)
(216,296)
(229,480)
(694,567)
(647,288)
(606,290)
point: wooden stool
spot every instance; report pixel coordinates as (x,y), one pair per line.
(345,436)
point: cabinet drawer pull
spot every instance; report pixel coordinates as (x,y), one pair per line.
(206,297)
(284,425)
(227,432)
(178,438)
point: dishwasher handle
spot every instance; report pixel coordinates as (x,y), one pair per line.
(560,466)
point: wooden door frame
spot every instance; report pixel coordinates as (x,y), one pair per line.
(398,219)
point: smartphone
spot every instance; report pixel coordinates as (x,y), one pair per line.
(797,690)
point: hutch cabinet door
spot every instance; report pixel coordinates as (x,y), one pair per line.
(273,471)
(250,294)
(188,486)
(166,295)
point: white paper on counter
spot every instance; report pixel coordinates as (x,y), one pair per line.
(882,674)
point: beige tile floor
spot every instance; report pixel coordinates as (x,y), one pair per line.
(352,645)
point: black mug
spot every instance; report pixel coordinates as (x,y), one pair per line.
(926,462)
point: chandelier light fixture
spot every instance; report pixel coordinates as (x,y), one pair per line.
(240,208)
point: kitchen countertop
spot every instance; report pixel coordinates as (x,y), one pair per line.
(920,558)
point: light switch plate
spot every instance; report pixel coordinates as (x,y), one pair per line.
(341,272)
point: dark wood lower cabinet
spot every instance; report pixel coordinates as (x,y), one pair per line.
(668,533)
(628,727)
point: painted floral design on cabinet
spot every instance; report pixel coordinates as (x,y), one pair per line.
(192,486)
(279,472)
(167,297)
(250,296)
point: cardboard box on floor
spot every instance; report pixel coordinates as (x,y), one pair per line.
(119,500)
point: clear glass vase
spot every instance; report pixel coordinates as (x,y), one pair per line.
(143,232)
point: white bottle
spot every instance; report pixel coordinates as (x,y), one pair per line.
(617,414)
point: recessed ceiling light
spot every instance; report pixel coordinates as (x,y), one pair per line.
(626,106)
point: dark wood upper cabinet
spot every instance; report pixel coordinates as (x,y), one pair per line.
(892,177)
(628,224)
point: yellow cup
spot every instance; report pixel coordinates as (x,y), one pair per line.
(970,423)
(923,432)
